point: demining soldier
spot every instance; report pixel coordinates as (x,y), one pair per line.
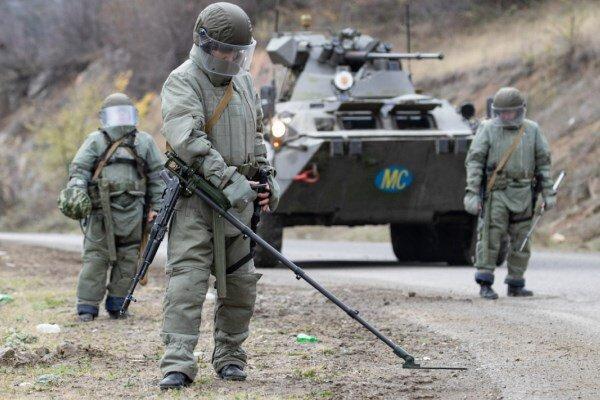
(114,184)
(508,159)
(213,120)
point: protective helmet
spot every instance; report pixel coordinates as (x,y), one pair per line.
(223,32)
(74,203)
(118,110)
(509,107)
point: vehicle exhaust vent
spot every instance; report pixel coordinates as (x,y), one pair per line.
(358,120)
(413,120)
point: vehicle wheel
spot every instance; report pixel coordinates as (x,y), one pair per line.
(456,243)
(270,229)
(405,241)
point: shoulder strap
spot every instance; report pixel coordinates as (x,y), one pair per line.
(106,156)
(505,158)
(140,163)
(223,103)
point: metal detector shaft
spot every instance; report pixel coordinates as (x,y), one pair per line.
(409,360)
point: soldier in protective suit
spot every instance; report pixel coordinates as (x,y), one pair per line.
(114,184)
(508,159)
(213,119)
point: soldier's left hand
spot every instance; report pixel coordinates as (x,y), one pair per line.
(549,202)
(263,196)
(152,215)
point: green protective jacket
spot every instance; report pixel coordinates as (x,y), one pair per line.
(128,190)
(531,158)
(189,99)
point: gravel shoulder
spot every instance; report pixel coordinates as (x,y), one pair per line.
(546,347)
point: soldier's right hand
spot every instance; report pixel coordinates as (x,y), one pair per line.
(472,203)
(239,192)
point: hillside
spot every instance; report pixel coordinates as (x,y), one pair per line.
(550,49)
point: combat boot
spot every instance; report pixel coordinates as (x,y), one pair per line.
(232,372)
(86,312)
(175,380)
(487,292)
(86,317)
(516,288)
(117,314)
(485,279)
(519,291)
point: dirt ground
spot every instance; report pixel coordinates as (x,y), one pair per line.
(119,359)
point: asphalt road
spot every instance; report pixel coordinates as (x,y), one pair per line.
(545,347)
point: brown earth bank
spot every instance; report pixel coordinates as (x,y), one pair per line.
(119,359)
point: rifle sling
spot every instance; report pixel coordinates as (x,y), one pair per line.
(505,158)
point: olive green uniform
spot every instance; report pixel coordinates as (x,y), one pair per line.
(509,206)
(127,192)
(232,152)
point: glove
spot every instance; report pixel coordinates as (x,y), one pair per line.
(472,203)
(550,202)
(275,193)
(238,192)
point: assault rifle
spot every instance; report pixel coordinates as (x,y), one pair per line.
(191,182)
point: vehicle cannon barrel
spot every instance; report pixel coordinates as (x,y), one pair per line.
(356,56)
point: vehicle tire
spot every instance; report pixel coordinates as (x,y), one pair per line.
(456,243)
(405,241)
(270,228)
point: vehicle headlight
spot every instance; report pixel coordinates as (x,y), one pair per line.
(343,80)
(278,128)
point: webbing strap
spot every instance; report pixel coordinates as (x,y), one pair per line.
(109,152)
(239,263)
(505,158)
(223,103)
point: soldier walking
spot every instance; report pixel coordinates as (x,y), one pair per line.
(113,184)
(213,120)
(508,159)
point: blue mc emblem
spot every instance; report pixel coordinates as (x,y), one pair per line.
(393,179)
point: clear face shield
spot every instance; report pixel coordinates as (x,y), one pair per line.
(509,117)
(222,58)
(118,116)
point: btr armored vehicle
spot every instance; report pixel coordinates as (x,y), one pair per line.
(354,143)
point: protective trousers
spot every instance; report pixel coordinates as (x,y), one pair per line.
(92,283)
(189,265)
(500,223)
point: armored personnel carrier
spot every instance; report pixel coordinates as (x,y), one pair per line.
(354,143)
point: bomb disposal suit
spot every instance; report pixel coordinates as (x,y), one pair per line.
(114,184)
(507,160)
(213,120)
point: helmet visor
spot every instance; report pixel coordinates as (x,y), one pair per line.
(118,116)
(223,58)
(508,116)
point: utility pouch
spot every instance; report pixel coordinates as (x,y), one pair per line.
(104,192)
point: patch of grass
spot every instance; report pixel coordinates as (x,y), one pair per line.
(49,303)
(17,338)
(309,373)
(328,352)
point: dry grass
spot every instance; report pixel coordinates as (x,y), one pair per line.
(529,35)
